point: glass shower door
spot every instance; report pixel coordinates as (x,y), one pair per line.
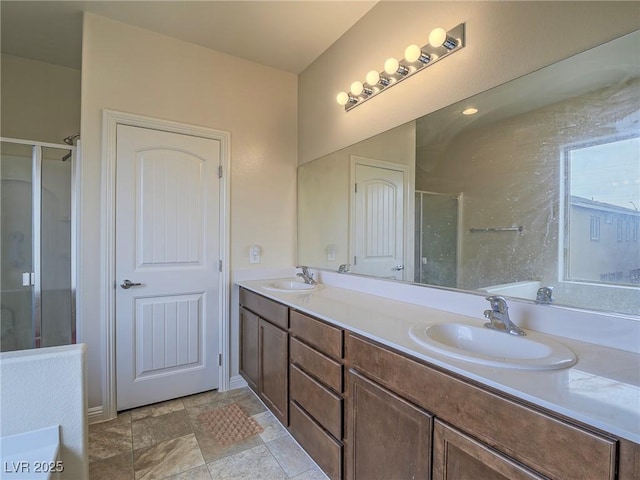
(16,236)
(36,243)
(55,250)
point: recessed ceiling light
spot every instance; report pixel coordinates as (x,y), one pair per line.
(470,111)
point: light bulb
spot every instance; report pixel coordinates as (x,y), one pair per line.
(437,37)
(470,111)
(413,53)
(342,98)
(373,78)
(391,66)
(357,88)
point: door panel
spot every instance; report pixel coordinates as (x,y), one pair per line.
(167,245)
(379,222)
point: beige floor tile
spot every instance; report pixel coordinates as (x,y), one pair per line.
(290,456)
(109,441)
(118,467)
(272,428)
(207,398)
(157,409)
(152,430)
(314,474)
(254,464)
(167,458)
(199,473)
(249,402)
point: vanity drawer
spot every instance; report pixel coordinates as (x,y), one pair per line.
(323,337)
(316,364)
(546,444)
(321,446)
(266,308)
(321,403)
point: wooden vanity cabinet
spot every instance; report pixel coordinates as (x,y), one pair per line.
(315,390)
(264,352)
(388,437)
(457,456)
(392,416)
(477,426)
(249,349)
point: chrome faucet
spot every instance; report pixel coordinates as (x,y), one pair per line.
(544,295)
(344,268)
(498,317)
(305,275)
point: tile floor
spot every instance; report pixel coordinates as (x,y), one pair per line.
(176,440)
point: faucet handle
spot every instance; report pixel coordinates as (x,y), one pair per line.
(545,295)
(498,303)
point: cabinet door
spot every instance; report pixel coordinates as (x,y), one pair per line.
(457,456)
(387,437)
(249,348)
(274,369)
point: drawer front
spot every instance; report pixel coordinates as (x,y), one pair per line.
(266,308)
(323,337)
(542,442)
(324,450)
(316,364)
(321,403)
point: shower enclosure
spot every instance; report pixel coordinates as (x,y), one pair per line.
(37,238)
(437,242)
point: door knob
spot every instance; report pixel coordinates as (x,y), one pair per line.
(398,267)
(127,284)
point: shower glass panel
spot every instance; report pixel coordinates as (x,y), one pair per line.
(37,250)
(16,208)
(56,300)
(436,239)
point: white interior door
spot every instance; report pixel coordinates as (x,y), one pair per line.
(167,246)
(378,221)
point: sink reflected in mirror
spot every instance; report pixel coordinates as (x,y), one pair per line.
(482,346)
(290,286)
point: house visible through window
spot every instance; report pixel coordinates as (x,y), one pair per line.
(602,181)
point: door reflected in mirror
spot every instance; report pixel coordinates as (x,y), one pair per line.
(540,187)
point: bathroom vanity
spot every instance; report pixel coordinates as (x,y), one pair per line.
(339,370)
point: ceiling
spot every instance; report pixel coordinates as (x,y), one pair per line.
(287,35)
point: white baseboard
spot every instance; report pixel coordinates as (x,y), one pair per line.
(237,382)
(96,414)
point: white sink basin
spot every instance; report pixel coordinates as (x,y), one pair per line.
(291,286)
(484,346)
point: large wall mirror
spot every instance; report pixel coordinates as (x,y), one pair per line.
(539,187)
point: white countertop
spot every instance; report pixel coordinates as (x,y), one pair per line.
(602,389)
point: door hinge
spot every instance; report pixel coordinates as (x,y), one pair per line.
(220,265)
(355,262)
(219,359)
(356,187)
(220,171)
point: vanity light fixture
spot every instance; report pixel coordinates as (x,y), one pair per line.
(441,44)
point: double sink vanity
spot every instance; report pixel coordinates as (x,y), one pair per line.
(377,388)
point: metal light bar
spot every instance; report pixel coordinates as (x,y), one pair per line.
(429,54)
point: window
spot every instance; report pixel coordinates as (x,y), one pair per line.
(595,228)
(602,181)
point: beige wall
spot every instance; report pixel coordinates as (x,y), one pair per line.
(504,40)
(40,101)
(136,71)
